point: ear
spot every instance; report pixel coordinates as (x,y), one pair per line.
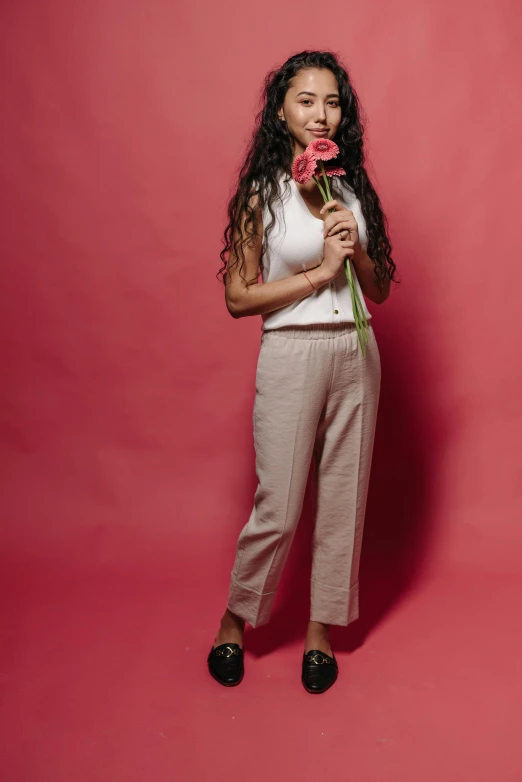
(281,114)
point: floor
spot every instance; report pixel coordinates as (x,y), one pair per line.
(104,678)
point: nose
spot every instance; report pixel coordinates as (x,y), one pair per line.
(321,112)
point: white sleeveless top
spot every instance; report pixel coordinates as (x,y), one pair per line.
(300,247)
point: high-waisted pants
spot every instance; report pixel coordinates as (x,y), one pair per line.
(316,395)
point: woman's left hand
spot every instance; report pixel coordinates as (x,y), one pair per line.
(341,221)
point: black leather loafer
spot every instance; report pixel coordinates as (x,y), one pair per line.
(226,665)
(319,671)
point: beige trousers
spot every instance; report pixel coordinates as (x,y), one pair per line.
(315,394)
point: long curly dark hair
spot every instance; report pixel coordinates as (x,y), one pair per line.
(270,152)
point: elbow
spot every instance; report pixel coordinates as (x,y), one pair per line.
(381,296)
(385,295)
(374,296)
(234,309)
(240,306)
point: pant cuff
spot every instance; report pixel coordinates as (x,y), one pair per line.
(333,605)
(254,607)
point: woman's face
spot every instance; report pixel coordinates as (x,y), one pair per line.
(311,104)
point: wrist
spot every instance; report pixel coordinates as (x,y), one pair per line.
(318,275)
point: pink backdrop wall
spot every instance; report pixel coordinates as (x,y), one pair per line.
(127,389)
(127,459)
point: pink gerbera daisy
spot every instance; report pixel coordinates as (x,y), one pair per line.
(303,167)
(323,149)
(334,171)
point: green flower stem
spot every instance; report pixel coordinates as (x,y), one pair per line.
(361,323)
(326,182)
(363,336)
(360,309)
(325,197)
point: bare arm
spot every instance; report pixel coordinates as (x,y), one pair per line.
(364,268)
(262,297)
(250,297)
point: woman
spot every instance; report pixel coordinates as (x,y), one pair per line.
(316,393)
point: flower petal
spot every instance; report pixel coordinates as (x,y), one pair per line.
(303,167)
(323,149)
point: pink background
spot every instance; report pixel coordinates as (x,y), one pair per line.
(127,393)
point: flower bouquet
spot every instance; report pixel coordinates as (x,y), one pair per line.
(308,166)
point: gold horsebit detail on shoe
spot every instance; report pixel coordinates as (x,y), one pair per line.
(313,658)
(222,652)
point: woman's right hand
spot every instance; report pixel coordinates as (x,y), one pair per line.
(335,251)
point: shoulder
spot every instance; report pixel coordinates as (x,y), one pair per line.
(347,191)
(282,180)
(275,196)
(349,199)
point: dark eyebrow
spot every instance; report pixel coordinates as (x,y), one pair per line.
(304,92)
